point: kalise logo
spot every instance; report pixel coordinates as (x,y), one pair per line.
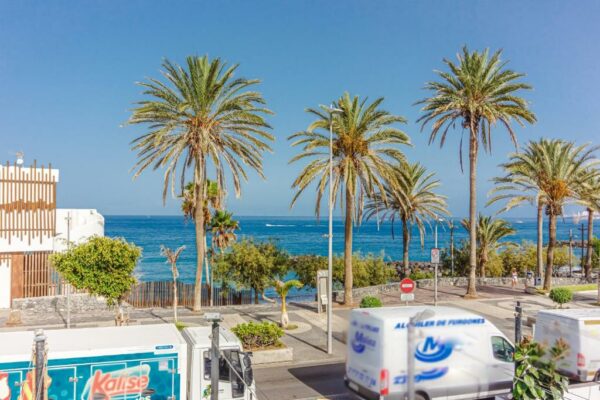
(117,384)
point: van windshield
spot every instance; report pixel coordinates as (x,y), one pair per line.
(502,349)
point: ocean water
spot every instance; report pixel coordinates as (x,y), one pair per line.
(296,235)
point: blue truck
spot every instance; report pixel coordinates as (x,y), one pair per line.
(153,362)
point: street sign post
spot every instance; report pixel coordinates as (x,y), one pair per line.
(407,287)
(435,260)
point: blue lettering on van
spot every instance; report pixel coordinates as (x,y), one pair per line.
(432,350)
(443,322)
(164,347)
(429,375)
(361,341)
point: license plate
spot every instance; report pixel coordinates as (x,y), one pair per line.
(353,386)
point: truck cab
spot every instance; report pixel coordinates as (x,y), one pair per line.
(236,381)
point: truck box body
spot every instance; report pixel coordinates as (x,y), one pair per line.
(459,355)
(131,362)
(580,328)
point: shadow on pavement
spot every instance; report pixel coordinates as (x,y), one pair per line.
(327,379)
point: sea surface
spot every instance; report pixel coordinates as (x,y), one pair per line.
(303,235)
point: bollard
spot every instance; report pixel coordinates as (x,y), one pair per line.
(518,322)
(40,363)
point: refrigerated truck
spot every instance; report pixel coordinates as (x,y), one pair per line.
(150,362)
(459,354)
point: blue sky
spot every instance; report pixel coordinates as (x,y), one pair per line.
(67,74)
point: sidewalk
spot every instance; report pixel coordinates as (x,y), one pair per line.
(309,339)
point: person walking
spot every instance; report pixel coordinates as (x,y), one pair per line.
(515,278)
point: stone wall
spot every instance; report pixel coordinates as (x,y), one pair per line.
(500,281)
(80,303)
(359,293)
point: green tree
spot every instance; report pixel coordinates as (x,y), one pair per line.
(490,233)
(410,197)
(364,150)
(201,115)
(172,257)
(478,93)
(589,196)
(536,372)
(251,265)
(223,227)
(282,288)
(102,266)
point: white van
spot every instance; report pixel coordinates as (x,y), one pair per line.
(580,328)
(459,354)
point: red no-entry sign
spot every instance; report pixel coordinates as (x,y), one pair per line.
(407,285)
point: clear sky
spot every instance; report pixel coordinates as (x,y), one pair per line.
(67,74)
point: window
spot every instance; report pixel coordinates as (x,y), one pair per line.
(502,349)
(224,373)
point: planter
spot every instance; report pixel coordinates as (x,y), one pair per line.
(261,357)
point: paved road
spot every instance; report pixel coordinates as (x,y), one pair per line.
(302,382)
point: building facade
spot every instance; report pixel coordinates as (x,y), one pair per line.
(32,228)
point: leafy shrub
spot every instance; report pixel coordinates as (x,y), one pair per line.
(368,270)
(419,274)
(561,295)
(370,302)
(536,375)
(258,335)
(102,266)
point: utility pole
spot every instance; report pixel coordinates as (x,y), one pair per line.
(40,364)
(518,322)
(452,247)
(68,286)
(570,252)
(582,246)
(411,350)
(215,318)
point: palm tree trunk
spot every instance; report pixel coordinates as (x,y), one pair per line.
(550,256)
(540,239)
(199,221)
(348,246)
(482,262)
(405,245)
(285,320)
(590,238)
(472,289)
(206,270)
(255,296)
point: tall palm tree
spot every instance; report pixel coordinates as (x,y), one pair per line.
(410,197)
(364,150)
(490,233)
(478,93)
(589,196)
(199,116)
(555,169)
(520,185)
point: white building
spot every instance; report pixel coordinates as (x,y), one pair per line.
(31,228)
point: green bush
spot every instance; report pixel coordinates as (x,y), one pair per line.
(561,295)
(370,302)
(258,335)
(418,274)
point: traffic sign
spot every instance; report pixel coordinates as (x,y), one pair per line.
(407,285)
(435,256)
(407,296)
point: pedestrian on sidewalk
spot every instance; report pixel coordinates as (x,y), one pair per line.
(515,278)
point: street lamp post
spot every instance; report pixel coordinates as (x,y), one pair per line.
(410,354)
(331,110)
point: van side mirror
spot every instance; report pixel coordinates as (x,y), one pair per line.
(248,373)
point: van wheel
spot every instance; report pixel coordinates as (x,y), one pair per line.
(421,396)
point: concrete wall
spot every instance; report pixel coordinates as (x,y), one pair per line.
(80,303)
(5,283)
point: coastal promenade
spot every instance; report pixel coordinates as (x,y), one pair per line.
(313,374)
